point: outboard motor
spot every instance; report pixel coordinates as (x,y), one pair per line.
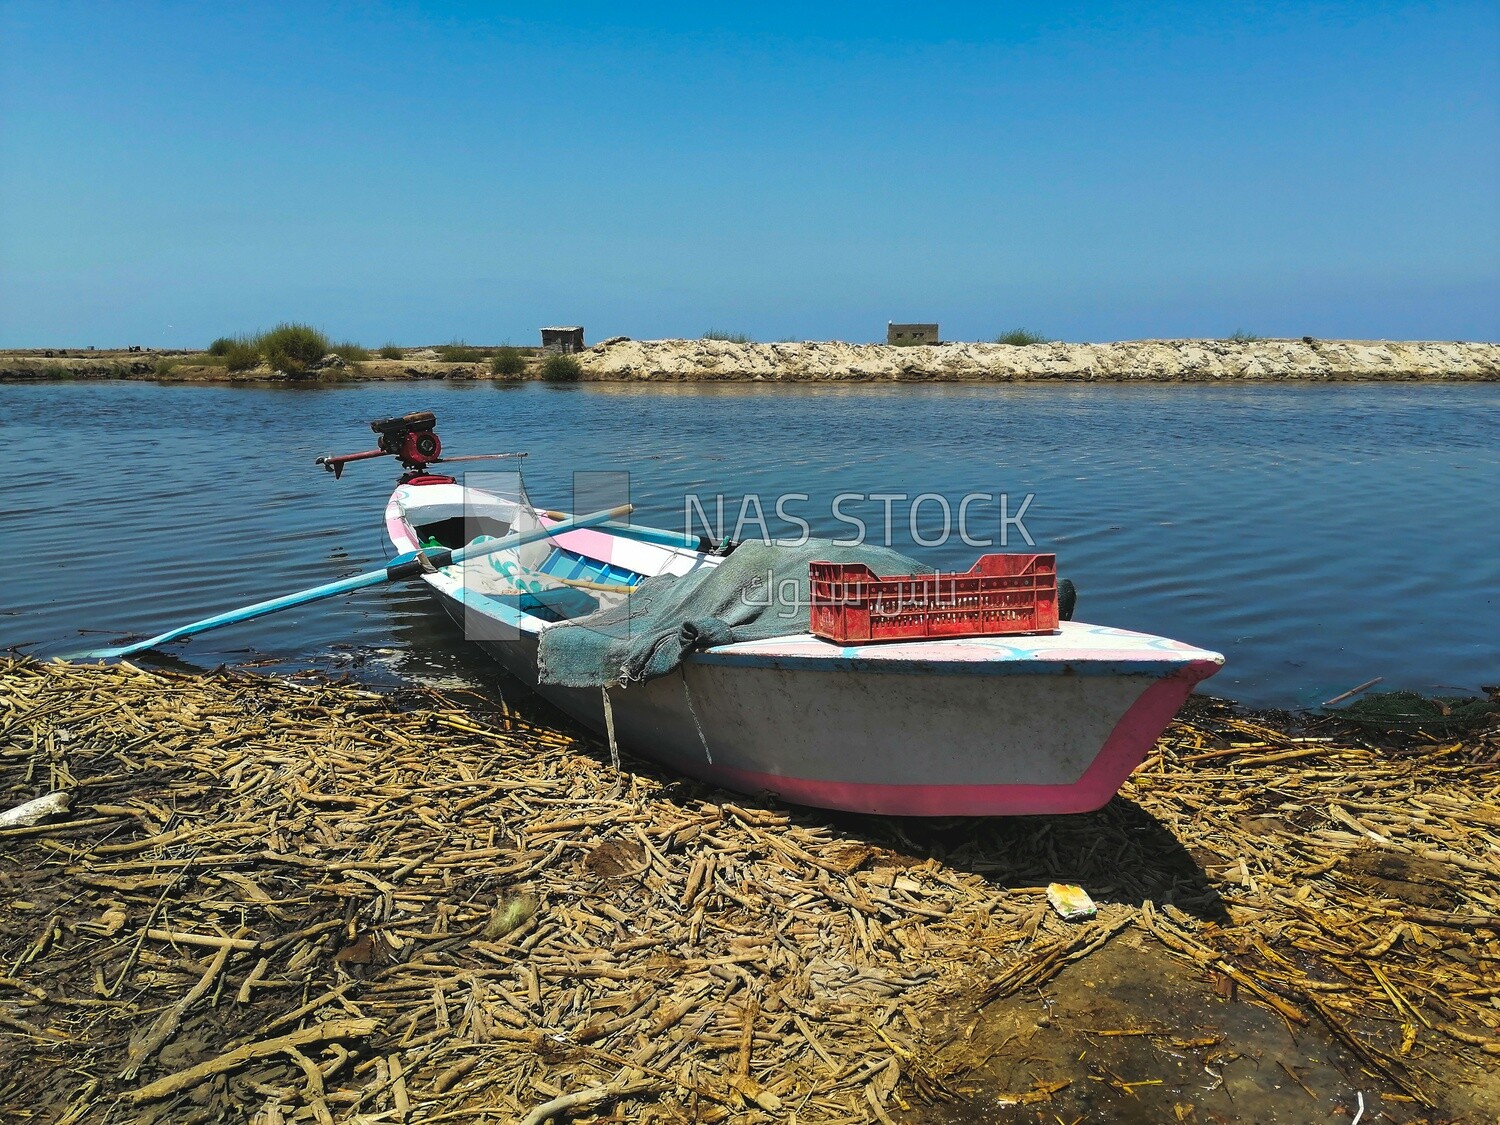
(410,439)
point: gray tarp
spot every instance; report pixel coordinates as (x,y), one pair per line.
(759,591)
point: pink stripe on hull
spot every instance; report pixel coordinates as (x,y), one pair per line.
(395,527)
(1124,749)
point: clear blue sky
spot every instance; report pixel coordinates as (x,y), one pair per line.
(424,172)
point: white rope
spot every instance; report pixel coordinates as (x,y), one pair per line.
(688,695)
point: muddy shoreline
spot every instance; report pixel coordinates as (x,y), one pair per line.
(681,361)
(316,902)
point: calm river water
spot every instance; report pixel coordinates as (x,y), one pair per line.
(1319,536)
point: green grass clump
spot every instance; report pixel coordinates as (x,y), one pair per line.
(292,348)
(237,353)
(1021,337)
(727,337)
(289,347)
(459,352)
(508,363)
(391,351)
(558,368)
(168,364)
(1242,337)
(241,355)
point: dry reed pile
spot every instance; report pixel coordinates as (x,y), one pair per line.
(313,903)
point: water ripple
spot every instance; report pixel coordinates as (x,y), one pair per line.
(1320,536)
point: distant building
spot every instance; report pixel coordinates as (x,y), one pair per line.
(911,333)
(565,340)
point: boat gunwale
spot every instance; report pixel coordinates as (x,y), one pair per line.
(981,656)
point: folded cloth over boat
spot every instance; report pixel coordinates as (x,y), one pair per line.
(759,591)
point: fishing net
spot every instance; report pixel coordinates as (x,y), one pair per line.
(759,591)
(1409,711)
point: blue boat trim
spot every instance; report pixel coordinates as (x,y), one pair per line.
(497,608)
(563,563)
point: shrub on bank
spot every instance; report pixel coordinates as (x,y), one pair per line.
(391,351)
(241,355)
(508,363)
(292,348)
(459,352)
(558,368)
(727,337)
(1242,337)
(1020,337)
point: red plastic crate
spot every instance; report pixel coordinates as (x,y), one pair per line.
(1000,595)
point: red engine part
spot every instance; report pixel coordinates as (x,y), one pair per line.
(418,448)
(410,439)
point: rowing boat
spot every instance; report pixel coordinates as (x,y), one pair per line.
(1004,725)
(1049,721)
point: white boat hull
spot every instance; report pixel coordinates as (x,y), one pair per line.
(982,726)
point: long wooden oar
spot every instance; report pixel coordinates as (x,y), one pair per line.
(403,567)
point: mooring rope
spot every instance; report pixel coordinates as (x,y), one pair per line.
(687,693)
(609,727)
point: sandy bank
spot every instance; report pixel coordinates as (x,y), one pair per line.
(1136,360)
(33,366)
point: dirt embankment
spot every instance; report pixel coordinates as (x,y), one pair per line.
(195,367)
(1130,361)
(621,359)
(27,368)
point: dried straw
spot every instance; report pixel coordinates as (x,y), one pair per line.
(318,904)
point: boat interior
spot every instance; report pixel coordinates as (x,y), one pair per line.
(572,576)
